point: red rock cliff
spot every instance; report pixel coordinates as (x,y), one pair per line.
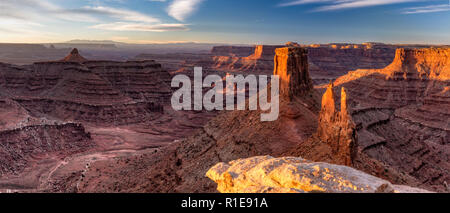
(336,128)
(291,64)
(402,114)
(432,63)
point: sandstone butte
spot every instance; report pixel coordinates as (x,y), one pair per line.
(74,56)
(291,64)
(265,174)
(336,128)
(429,63)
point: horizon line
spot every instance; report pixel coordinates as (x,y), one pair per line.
(220,43)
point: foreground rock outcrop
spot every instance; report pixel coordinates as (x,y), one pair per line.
(266,174)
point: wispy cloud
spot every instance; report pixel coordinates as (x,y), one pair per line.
(121,14)
(127,20)
(181,9)
(300,2)
(329,5)
(24,13)
(124,26)
(39,10)
(427,9)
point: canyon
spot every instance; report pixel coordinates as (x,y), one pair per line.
(372,132)
(66,113)
(83,125)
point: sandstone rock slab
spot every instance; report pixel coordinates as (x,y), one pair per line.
(265,174)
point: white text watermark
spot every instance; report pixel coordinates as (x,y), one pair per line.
(235,93)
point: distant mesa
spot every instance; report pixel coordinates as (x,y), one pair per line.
(431,63)
(74,56)
(292,44)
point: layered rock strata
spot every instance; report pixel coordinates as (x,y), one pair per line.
(100,92)
(326,62)
(337,129)
(401,117)
(260,60)
(291,64)
(20,147)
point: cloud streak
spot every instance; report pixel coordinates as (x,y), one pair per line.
(121,14)
(330,5)
(39,10)
(427,9)
(142,27)
(23,13)
(181,9)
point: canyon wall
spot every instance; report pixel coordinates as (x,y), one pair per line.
(236,51)
(57,117)
(326,62)
(401,114)
(260,60)
(400,134)
(100,92)
(291,64)
(20,148)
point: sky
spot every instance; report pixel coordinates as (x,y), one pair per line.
(226,21)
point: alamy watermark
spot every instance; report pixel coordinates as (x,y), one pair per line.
(235,86)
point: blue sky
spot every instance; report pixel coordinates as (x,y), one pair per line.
(226,21)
